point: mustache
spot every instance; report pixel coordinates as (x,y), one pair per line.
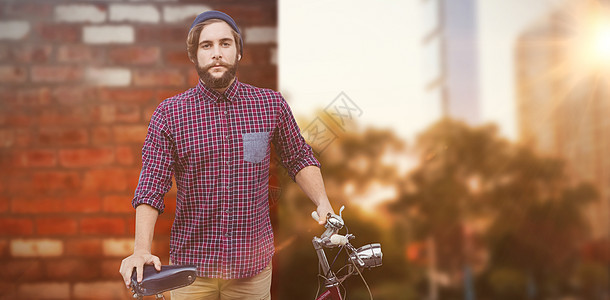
(217,64)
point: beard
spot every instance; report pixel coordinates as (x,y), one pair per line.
(217,82)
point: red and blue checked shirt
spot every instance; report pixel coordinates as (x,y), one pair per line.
(217,147)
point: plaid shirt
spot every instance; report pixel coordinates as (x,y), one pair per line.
(218,149)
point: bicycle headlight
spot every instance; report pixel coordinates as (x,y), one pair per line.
(370,255)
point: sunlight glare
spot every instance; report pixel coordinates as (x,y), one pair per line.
(602,41)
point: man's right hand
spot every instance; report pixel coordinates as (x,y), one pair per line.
(137,260)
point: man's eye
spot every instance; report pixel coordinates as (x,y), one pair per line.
(205,46)
(226,44)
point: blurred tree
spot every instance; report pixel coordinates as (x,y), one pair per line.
(496,206)
(351,165)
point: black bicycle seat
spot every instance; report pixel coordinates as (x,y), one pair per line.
(156,282)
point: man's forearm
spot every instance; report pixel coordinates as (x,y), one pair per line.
(310,181)
(146,217)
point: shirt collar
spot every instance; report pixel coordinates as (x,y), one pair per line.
(210,94)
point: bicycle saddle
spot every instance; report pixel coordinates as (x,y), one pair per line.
(156,282)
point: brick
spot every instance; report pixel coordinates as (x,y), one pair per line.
(51,290)
(71,268)
(5,203)
(30,10)
(167,34)
(78,158)
(134,13)
(159,78)
(32,53)
(137,55)
(56,226)
(62,33)
(117,204)
(256,55)
(101,135)
(17,119)
(111,180)
(130,133)
(179,14)
(109,268)
(137,96)
(78,54)
(119,113)
(4,248)
(20,270)
(7,138)
(177,57)
(251,14)
(80,13)
(9,290)
(102,226)
(5,53)
(127,156)
(84,248)
(28,97)
(118,247)
(108,76)
(160,247)
(70,95)
(108,34)
(13,74)
(32,205)
(36,248)
(162,94)
(260,35)
(164,224)
(16,226)
(63,136)
(14,30)
(55,181)
(114,289)
(193,77)
(56,74)
(274,57)
(36,158)
(73,115)
(83,203)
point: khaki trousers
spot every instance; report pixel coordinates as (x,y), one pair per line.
(257,287)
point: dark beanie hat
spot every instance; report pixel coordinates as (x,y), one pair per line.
(214,14)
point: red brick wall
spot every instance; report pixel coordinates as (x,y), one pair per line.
(78,83)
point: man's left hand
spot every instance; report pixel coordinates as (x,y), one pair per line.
(323,210)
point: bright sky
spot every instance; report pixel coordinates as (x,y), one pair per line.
(372,51)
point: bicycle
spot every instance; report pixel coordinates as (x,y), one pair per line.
(365,257)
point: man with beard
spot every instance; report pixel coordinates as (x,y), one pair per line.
(214,139)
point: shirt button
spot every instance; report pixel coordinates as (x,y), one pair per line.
(225,112)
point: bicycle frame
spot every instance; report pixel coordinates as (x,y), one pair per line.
(331,282)
(367,256)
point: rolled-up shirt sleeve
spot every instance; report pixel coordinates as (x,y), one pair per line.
(157,163)
(291,147)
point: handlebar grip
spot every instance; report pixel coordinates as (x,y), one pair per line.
(337,239)
(315,216)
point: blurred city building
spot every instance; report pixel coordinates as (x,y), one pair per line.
(563,99)
(450,58)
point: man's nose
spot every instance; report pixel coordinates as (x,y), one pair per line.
(216,53)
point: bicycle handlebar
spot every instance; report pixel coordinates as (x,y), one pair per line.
(334,223)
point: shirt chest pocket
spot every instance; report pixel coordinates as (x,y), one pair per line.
(256,145)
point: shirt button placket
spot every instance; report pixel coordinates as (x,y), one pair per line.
(225,172)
